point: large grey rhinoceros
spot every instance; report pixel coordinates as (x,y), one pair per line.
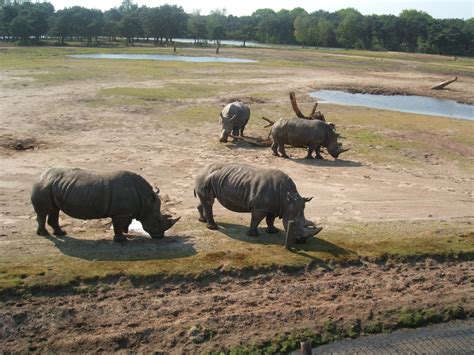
(233,119)
(300,132)
(265,193)
(85,194)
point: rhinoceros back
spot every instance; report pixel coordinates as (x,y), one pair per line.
(301,132)
(88,195)
(239,110)
(243,188)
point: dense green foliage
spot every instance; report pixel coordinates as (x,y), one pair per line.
(411,31)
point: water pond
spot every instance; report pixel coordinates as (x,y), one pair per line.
(166,58)
(411,104)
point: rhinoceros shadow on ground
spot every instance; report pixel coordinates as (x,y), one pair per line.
(239,232)
(298,156)
(329,162)
(136,248)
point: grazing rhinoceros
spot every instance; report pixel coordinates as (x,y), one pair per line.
(84,194)
(265,193)
(299,132)
(233,119)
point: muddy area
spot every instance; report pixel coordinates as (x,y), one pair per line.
(224,312)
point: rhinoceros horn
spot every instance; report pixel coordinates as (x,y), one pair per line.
(310,232)
(342,150)
(173,221)
(307,199)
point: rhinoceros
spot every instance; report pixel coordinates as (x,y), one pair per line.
(299,132)
(265,193)
(233,119)
(85,194)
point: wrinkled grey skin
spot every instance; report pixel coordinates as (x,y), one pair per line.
(233,119)
(85,194)
(265,193)
(299,132)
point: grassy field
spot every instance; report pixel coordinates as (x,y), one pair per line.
(185,97)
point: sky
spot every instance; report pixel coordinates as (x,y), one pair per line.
(436,8)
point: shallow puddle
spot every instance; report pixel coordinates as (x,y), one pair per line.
(411,104)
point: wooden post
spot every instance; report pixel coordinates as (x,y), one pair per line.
(444,84)
(305,347)
(174,47)
(288,237)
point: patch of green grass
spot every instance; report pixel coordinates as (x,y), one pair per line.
(386,137)
(195,250)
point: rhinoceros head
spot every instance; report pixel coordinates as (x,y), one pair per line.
(334,148)
(302,228)
(155,223)
(227,125)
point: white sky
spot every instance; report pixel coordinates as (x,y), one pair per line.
(436,8)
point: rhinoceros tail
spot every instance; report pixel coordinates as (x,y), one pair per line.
(194,193)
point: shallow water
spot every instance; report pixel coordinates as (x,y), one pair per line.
(411,104)
(166,58)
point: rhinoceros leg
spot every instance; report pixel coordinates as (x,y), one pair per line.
(41,219)
(257,217)
(275,149)
(242,131)
(126,225)
(201,214)
(281,149)
(318,153)
(118,224)
(53,221)
(310,153)
(270,219)
(208,215)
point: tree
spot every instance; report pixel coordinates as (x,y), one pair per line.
(414,28)
(197,26)
(21,27)
(448,36)
(216,25)
(127,6)
(468,29)
(60,24)
(246,29)
(130,26)
(349,30)
(303,26)
(111,26)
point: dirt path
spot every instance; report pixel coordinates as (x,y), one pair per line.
(225,312)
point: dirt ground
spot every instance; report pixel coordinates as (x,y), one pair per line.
(221,314)
(66,130)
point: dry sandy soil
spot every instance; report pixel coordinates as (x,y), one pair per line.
(66,131)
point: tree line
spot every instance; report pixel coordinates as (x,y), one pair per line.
(411,31)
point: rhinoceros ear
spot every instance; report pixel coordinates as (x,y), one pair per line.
(156,190)
(307,199)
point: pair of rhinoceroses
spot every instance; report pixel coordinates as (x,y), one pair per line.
(298,132)
(124,196)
